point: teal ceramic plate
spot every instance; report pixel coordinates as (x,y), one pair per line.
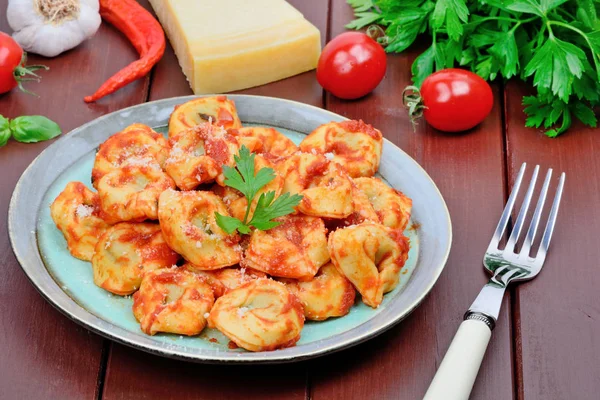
(67,282)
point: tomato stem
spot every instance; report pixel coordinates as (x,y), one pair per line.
(377,33)
(21,71)
(411,98)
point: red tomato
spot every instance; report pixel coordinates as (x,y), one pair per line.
(11,55)
(455,99)
(351,65)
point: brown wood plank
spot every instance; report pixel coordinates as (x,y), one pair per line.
(558,313)
(134,373)
(42,353)
(468,169)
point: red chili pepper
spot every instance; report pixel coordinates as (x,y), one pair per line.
(143,31)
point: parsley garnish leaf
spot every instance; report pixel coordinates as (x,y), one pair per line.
(268,209)
(243,178)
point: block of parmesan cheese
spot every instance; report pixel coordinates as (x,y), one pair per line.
(226,45)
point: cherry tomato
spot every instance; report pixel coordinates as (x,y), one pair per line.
(455,99)
(11,55)
(12,70)
(351,65)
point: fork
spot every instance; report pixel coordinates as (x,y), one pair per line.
(456,375)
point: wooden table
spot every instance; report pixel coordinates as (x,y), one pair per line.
(546,343)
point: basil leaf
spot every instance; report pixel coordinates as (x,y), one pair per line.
(4,130)
(34,128)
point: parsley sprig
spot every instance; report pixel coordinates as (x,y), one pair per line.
(243,178)
(556,43)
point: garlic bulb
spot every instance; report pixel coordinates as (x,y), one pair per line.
(49,27)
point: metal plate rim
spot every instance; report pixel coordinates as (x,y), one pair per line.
(50,290)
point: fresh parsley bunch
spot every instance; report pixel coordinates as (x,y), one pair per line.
(244,179)
(555,42)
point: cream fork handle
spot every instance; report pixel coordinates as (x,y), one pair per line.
(456,375)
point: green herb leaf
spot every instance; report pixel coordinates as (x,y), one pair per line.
(268,209)
(361,5)
(453,13)
(244,179)
(4,130)
(34,128)
(423,66)
(230,224)
(505,51)
(555,65)
(526,6)
(363,19)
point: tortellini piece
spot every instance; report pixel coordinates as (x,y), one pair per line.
(131,193)
(237,203)
(363,211)
(225,279)
(197,155)
(392,206)
(260,315)
(328,294)
(324,185)
(126,252)
(232,278)
(371,257)
(295,249)
(217,287)
(353,144)
(137,144)
(76,212)
(188,223)
(218,110)
(172,300)
(268,141)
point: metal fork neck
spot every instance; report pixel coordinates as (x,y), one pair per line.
(487,303)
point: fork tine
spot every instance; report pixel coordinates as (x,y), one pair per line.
(535,221)
(518,227)
(541,255)
(493,246)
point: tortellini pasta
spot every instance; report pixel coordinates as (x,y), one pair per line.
(218,110)
(126,252)
(392,206)
(325,187)
(172,300)
(328,294)
(76,212)
(260,315)
(268,141)
(371,257)
(353,144)
(137,144)
(232,278)
(363,211)
(157,205)
(197,155)
(187,220)
(130,193)
(295,249)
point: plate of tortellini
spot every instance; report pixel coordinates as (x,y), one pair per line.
(230,229)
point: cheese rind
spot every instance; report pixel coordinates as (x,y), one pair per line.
(236,44)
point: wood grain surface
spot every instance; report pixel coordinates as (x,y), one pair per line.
(42,353)
(468,170)
(552,323)
(558,313)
